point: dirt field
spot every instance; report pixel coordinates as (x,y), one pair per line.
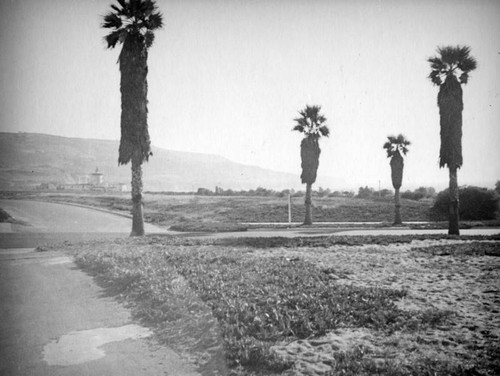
(467,286)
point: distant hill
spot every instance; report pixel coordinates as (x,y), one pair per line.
(29,159)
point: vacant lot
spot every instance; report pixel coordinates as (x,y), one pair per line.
(326,306)
(167,210)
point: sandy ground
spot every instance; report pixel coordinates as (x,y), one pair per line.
(466,285)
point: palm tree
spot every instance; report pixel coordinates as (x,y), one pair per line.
(132,23)
(311,124)
(450,62)
(395,146)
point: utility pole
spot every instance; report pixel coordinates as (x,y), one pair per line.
(290,208)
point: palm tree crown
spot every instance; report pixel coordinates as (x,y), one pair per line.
(396,145)
(311,123)
(136,18)
(451,61)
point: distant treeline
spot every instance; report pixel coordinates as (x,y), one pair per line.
(260,191)
(363,192)
(417,194)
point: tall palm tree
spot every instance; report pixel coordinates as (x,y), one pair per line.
(395,146)
(449,70)
(311,124)
(132,23)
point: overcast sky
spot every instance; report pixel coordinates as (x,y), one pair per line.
(228,77)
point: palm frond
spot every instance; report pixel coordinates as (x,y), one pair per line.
(436,64)
(112,20)
(299,128)
(449,54)
(387,145)
(462,52)
(113,38)
(312,112)
(116,9)
(149,38)
(133,6)
(435,77)
(147,7)
(392,139)
(321,119)
(467,64)
(155,21)
(301,121)
(402,140)
(324,130)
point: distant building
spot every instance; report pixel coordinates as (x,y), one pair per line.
(97,178)
(90,182)
(83,179)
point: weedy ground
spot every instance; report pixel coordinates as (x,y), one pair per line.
(385,305)
(227,213)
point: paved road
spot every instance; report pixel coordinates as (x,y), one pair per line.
(54,320)
(44,217)
(41,222)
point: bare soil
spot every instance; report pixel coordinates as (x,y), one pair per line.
(463,284)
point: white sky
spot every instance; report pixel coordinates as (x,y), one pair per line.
(227,77)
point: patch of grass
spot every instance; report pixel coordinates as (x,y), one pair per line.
(463,249)
(358,362)
(259,301)
(143,279)
(311,242)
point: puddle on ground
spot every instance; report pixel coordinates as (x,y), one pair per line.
(85,345)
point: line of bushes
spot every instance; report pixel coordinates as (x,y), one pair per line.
(475,204)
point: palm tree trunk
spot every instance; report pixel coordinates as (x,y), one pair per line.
(137,205)
(308,204)
(454,218)
(397,210)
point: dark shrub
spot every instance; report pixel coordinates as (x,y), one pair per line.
(4,216)
(365,192)
(409,195)
(475,204)
(419,193)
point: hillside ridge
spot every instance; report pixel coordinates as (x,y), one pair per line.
(30,159)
